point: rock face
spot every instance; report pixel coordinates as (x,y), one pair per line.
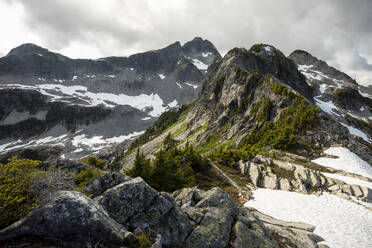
(47,98)
(71,217)
(108,180)
(136,205)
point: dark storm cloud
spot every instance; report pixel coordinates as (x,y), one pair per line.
(337,31)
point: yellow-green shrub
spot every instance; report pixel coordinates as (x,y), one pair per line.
(16,197)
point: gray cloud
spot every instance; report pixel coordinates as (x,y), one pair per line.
(337,31)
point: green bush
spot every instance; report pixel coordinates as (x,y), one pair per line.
(143,240)
(86,176)
(94,161)
(16,197)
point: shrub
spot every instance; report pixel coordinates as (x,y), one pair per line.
(86,176)
(143,240)
(16,197)
(94,161)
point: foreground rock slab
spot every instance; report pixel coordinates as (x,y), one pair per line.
(70,217)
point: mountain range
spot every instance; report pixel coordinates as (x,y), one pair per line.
(179,147)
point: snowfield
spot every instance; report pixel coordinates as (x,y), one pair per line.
(58,91)
(346,161)
(97,143)
(341,223)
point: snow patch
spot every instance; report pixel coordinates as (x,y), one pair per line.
(146,118)
(74,78)
(326,106)
(111,76)
(267,48)
(206,54)
(162,76)
(96,143)
(346,161)
(357,132)
(193,85)
(341,223)
(173,104)
(179,85)
(200,65)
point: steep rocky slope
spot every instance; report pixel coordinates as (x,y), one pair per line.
(88,105)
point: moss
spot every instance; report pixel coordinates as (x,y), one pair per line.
(218,87)
(89,174)
(265,110)
(16,196)
(94,161)
(143,240)
(179,130)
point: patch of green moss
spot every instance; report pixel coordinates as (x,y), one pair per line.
(264,111)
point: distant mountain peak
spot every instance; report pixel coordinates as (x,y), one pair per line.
(28,48)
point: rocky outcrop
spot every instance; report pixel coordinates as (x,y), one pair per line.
(136,205)
(261,172)
(70,217)
(108,180)
(219,222)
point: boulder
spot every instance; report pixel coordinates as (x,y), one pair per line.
(254,173)
(108,180)
(214,230)
(243,167)
(347,189)
(285,184)
(136,205)
(216,197)
(357,191)
(367,193)
(270,181)
(71,217)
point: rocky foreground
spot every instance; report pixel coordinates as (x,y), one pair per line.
(123,208)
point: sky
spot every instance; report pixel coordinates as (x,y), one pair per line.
(337,31)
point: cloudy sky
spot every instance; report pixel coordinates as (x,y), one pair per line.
(338,31)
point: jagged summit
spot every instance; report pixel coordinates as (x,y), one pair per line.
(304,59)
(265,59)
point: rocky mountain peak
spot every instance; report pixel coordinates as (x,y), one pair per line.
(308,61)
(199,45)
(27,48)
(264,59)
